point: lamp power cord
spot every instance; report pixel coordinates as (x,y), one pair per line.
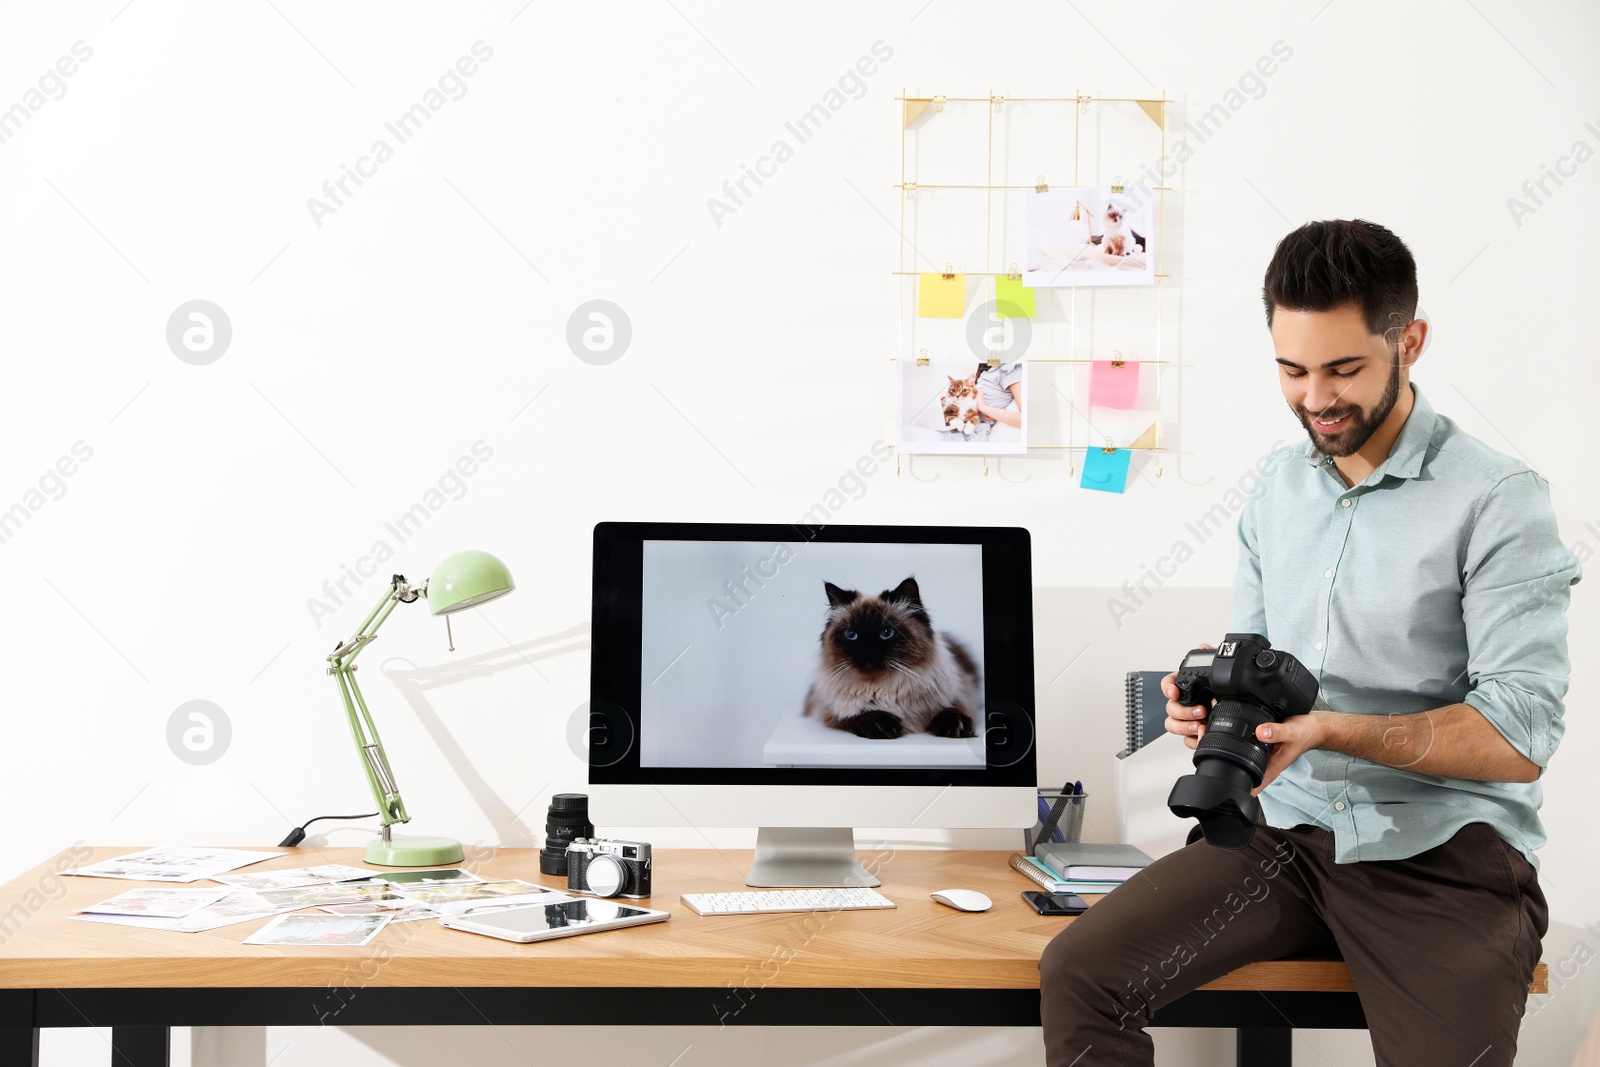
(298,834)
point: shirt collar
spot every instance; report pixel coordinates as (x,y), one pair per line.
(1409,449)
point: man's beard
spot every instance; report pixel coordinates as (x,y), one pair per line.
(1348,439)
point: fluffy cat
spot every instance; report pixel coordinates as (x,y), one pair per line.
(1115,241)
(884,671)
(959,405)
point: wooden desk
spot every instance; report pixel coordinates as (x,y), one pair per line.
(921,964)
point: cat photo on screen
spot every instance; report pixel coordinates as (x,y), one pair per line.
(884,671)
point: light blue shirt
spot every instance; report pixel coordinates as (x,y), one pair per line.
(1439,579)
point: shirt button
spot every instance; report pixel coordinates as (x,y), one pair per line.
(1328,573)
(1339,806)
(1317,646)
(1345,502)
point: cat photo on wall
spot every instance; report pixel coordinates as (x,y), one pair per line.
(1088,235)
(947,407)
(883,671)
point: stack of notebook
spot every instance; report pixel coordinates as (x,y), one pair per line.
(1081,868)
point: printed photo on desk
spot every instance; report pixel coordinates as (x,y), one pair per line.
(811,654)
(320,931)
(962,407)
(173,863)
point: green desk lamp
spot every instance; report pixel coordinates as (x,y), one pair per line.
(464,580)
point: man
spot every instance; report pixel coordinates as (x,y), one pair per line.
(1418,574)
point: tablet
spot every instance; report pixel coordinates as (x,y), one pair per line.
(540,922)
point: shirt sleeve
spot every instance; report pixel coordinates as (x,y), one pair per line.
(1249,604)
(1517,580)
(1007,375)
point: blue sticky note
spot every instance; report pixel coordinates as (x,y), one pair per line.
(1105,471)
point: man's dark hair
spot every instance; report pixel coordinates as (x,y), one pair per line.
(1328,264)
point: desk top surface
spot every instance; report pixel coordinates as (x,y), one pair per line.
(919,944)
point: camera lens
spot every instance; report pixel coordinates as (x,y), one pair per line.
(1229,762)
(568,818)
(607,876)
(1231,736)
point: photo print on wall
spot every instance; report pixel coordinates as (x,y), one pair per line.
(961,407)
(1087,235)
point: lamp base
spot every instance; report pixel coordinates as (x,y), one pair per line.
(414,852)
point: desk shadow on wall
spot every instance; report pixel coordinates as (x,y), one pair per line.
(1086,640)
(415,683)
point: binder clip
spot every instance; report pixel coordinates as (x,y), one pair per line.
(994,361)
(998,101)
(1109,447)
(939,102)
(1116,184)
(1117,360)
(1042,186)
(1014,274)
(949,272)
(922,357)
(911,190)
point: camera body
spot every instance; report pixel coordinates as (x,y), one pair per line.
(1252,683)
(608,868)
(1247,667)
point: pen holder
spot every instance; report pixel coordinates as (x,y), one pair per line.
(1060,820)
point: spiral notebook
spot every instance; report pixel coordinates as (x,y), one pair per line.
(1147,709)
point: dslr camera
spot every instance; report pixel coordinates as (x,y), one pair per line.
(1252,683)
(608,868)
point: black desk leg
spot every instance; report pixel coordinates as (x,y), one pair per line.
(19,1046)
(1266,1046)
(140,1046)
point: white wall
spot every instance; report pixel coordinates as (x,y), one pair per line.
(429,312)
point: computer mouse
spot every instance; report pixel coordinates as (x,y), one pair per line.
(963,899)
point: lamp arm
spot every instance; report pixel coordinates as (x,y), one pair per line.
(369,746)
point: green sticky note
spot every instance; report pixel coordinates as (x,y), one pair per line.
(1105,471)
(1013,300)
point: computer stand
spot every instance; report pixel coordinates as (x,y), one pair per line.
(797,857)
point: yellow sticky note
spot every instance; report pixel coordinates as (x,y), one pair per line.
(940,297)
(1013,300)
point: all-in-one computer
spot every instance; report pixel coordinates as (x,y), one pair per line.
(806,680)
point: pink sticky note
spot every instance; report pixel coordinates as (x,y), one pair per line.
(1112,386)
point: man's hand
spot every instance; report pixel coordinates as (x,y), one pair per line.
(1187,722)
(1296,734)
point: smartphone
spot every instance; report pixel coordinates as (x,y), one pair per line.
(1056,903)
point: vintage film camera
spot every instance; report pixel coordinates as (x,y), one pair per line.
(1252,684)
(608,868)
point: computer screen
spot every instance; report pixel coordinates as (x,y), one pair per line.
(797,655)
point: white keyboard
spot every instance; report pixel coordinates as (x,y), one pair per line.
(767,901)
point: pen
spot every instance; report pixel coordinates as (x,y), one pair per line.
(1050,824)
(1061,835)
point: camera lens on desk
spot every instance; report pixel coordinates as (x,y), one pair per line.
(568,819)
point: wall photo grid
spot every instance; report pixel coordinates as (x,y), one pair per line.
(998,352)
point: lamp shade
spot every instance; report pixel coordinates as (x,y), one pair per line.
(466,580)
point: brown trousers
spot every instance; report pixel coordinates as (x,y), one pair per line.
(1441,945)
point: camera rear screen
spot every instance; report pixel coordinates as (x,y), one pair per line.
(766,654)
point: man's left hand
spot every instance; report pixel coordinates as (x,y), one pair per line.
(1297,734)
